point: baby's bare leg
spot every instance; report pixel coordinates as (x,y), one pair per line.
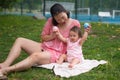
(73,62)
(61,59)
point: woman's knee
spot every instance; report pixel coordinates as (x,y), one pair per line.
(19,40)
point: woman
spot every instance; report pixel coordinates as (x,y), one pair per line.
(41,53)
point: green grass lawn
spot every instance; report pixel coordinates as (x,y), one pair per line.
(103,43)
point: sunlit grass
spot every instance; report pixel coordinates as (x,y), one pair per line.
(103,43)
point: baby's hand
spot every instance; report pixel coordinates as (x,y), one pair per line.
(88,28)
(55,29)
(86,25)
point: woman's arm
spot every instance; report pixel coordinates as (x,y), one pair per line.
(47,33)
(48,37)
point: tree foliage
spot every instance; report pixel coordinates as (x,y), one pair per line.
(8,3)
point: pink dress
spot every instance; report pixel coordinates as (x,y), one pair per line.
(56,47)
(74,50)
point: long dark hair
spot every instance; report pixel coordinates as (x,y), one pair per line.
(55,10)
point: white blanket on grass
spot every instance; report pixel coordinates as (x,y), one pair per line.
(62,70)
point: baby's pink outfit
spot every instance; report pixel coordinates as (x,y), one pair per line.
(56,47)
(74,50)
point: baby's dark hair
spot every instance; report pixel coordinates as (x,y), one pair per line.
(55,10)
(77,30)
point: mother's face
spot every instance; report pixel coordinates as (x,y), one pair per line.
(61,18)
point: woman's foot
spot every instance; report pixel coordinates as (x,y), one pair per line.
(3,71)
(2,75)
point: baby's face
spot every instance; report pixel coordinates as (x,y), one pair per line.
(73,36)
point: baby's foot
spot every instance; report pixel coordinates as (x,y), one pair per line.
(70,66)
(59,62)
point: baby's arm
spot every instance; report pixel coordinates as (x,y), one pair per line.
(85,35)
(61,37)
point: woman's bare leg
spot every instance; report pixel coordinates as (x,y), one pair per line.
(35,58)
(21,43)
